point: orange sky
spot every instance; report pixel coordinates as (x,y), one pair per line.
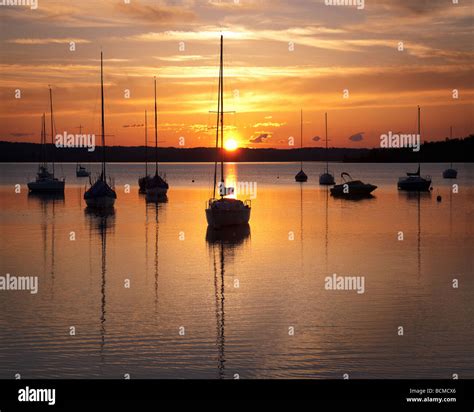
(280,56)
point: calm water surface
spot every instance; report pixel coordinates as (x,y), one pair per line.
(182,276)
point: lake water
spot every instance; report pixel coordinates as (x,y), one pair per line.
(250,302)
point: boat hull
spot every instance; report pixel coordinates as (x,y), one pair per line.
(353,191)
(100,202)
(326,179)
(223,218)
(418,185)
(156,192)
(47,186)
(301,177)
(450,174)
(82,174)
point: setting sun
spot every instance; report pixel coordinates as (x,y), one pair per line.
(230,145)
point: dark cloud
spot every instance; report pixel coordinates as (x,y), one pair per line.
(260,138)
(357,137)
(316,139)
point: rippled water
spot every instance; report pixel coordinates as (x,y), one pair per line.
(182,276)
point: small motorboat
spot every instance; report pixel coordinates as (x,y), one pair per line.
(81,171)
(352,188)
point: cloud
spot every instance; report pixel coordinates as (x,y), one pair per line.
(39,41)
(316,139)
(156,14)
(260,138)
(357,137)
(269,124)
(133,125)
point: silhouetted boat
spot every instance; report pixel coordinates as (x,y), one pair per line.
(301,176)
(414,181)
(450,173)
(352,188)
(45,181)
(156,186)
(101,194)
(81,171)
(326,178)
(224,211)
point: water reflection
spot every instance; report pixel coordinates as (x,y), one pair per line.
(101,223)
(154,206)
(47,204)
(223,244)
(415,199)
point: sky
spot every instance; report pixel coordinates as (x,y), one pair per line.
(367,67)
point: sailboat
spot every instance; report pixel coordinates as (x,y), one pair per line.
(45,181)
(326,178)
(156,186)
(414,181)
(225,211)
(301,176)
(81,171)
(101,194)
(142,181)
(450,173)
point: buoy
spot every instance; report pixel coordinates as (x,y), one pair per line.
(438,198)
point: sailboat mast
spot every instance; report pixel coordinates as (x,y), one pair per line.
(217,132)
(43,140)
(419,135)
(326,126)
(146,145)
(301,138)
(221,83)
(102,115)
(52,124)
(451,138)
(156,135)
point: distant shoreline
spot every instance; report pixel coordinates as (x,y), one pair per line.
(452,150)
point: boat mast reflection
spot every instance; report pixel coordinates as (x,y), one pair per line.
(101,222)
(154,203)
(223,243)
(48,201)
